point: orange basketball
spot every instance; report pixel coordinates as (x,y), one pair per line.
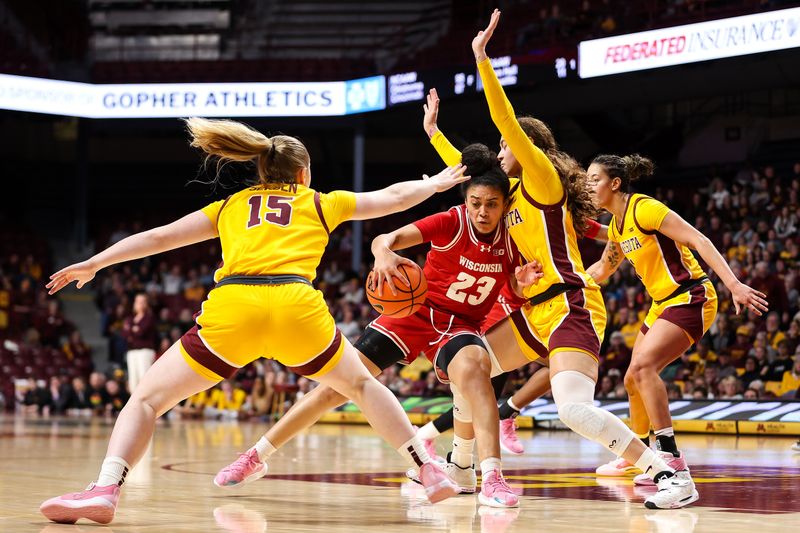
(409,297)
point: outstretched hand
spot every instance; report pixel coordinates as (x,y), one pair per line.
(431,113)
(744,295)
(82,272)
(482,39)
(528,274)
(448,178)
(387,268)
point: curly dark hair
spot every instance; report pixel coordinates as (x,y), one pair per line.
(573,176)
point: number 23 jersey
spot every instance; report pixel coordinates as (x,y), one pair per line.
(465,272)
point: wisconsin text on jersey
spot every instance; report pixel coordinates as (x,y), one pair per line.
(481,267)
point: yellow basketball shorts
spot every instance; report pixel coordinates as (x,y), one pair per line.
(238,324)
(572,321)
(693,311)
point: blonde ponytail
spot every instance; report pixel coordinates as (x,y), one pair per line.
(277,159)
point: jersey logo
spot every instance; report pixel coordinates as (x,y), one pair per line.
(513,218)
(486,248)
(629,245)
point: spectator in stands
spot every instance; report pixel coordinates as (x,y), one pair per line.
(172,281)
(751,394)
(721,335)
(58,397)
(117,346)
(729,389)
(617,355)
(741,347)
(702,357)
(605,387)
(766,282)
(774,335)
(259,401)
(348,325)
(76,348)
(116,397)
(782,363)
(226,401)
(790,383)
(725,368)
(332,274)
(752,371)
(631,328)
(52,324)
(79,401)
(140,334)
(674,392)
(98,397)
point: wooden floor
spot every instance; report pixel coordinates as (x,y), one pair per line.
(343,478)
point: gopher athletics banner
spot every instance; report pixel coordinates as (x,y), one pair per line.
(716,39)
(156,100)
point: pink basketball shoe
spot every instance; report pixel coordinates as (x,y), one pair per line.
(248,467)
(675,463)
(509,440)
(495,492)
(95,503)
(617,467)
(438,485)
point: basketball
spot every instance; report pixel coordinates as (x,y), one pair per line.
(408,299)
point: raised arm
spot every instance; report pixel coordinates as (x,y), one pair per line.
(194,227)
(449,153)
(608,263)
(407,194)
(539,177)
(677,229)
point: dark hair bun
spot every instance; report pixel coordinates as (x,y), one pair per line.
(637,166)
(478,159)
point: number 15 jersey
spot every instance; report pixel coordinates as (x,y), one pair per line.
(465,272)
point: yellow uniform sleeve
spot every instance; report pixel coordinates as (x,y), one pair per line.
(337,207)
(649,214)
(449,153)
(212,211)
(610,231)
(539,176)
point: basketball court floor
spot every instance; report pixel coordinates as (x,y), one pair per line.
(344,478)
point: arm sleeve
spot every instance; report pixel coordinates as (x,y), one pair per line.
(539,177)
(337,207)
(449,153)
(439,229)
(212,211)
(650,213)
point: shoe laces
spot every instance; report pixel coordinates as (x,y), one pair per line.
(241,464)
(495,482)
(509,429)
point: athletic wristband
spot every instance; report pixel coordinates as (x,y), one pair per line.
(592,229)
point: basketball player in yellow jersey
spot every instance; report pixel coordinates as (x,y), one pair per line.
(657,243)
(273,235)
(566,311)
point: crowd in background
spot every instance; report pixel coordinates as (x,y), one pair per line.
(752,217)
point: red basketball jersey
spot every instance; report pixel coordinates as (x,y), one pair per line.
(465,272)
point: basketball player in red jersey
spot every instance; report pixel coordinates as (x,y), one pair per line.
(273,234)
(507,303)
(470,260)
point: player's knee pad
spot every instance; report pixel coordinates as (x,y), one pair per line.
(573,393)
(462,411)
(496,368)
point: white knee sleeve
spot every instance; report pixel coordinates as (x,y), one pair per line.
(496,368)
(461,408)
(573,393)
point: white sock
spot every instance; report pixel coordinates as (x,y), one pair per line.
(414,452)
(651,464)
(462,451)
(113,472)
(428,432)
(489,464)
(666,432)
(264,448)
(511,404)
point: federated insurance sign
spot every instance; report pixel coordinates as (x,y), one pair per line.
(154,100)
(736,36)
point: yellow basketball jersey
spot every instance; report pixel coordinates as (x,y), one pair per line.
(661,263)
(277,228)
